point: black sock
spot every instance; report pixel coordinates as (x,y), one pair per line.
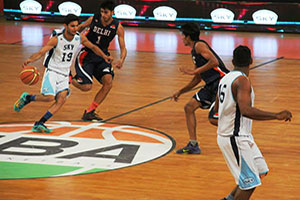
(30,98)
(45,117)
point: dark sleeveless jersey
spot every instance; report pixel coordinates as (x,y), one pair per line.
(101,35)
(212,74)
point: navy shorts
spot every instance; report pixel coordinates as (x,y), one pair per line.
(207,95)
(89,65)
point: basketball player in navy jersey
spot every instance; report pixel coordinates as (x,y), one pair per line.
(102,30)
(60,51)
(209,68)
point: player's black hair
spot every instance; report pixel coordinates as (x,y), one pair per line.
(242,56)
(191,29)
(70,18)
(110,5)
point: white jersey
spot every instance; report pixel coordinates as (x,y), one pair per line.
(231,122)
(59,59)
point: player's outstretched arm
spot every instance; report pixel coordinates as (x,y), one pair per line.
(85,24)
(188,87)
(242,94)
(95,49)
(51,44)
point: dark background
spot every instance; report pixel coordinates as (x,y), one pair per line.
(288,11)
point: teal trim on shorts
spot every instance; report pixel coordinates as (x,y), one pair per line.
(247,179)
(47,88)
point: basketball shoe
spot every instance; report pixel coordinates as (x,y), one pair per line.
(189,149)
(91,116)
(40,128)
(22,101)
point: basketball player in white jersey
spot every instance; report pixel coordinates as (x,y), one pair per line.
(55,86)
(234,103)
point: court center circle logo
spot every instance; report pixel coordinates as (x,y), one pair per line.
(74,148)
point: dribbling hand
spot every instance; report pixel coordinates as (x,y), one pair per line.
(26,62)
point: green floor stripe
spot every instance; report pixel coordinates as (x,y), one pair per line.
(94,171)
(14,170)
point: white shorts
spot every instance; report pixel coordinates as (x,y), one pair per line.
(54,83)
(244,159)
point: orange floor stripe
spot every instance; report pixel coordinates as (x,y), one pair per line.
(14,129)
(120,135)
(91,133)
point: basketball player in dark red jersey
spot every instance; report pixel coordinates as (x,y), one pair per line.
(209,68)
(102,30)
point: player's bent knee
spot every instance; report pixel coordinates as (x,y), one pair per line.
(86,87)
(188,108)
(48,98)
(243,194)
(61,100)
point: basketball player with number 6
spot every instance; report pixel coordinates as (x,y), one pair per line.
(60,51)
(235,105)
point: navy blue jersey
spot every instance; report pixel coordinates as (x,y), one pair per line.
(101,35)
(212,74)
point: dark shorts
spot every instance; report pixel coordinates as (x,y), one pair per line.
(207,95)
(89,65)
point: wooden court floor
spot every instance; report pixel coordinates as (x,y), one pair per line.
(150,74)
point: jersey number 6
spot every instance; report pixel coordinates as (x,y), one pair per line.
(221,92)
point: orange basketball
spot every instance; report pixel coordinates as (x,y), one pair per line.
(29,75)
